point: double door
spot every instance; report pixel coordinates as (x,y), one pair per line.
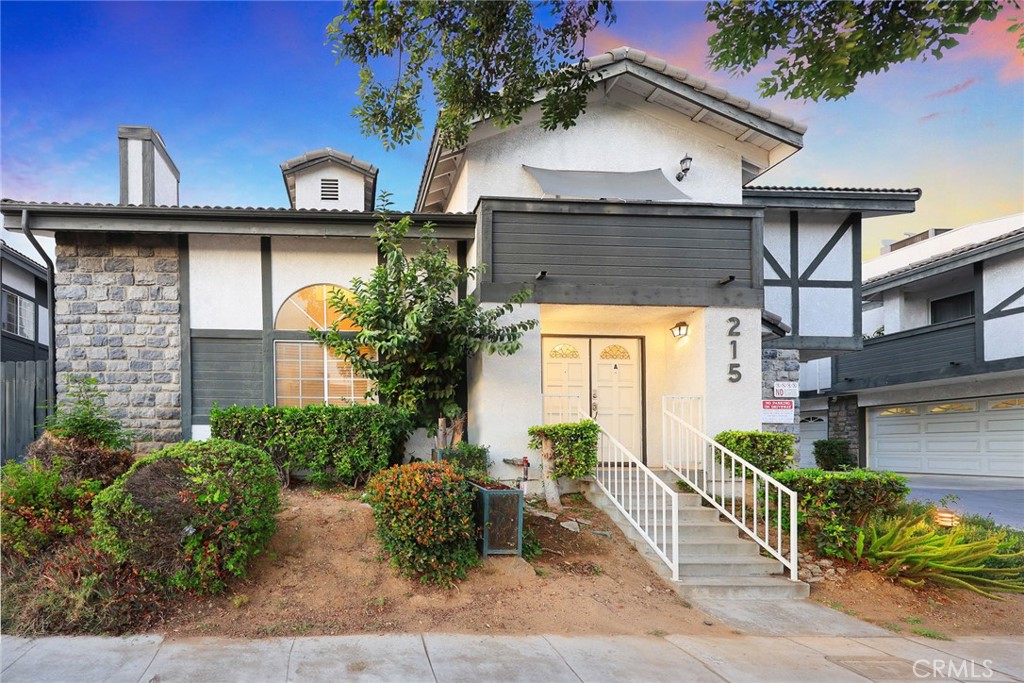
(600,376)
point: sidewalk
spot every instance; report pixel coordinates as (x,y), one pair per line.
(447,657)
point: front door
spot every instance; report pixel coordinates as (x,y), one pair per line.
(604,373)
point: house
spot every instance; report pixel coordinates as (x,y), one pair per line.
(24,311)
(650,277)
(938,387)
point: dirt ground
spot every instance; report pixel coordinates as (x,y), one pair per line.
(903,610)
(323,575)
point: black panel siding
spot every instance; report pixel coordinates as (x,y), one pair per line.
(907,356)
(628,250)
(15,348)
(226,372)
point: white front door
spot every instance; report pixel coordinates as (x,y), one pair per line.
(604,372)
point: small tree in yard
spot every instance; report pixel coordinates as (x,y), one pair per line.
(414,335)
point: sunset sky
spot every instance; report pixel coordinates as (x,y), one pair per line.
(237,88)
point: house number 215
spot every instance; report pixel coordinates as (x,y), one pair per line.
(734,331)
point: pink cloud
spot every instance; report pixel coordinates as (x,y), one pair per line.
(992,41)
(929,117)
(952,91)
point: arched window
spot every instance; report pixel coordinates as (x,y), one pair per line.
(305,372)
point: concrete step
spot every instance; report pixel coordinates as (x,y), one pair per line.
(725,549)
(652,499)
(748,566)
(698,531)
(742,588)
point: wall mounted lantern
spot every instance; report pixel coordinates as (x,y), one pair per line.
(684,167)
(680,330)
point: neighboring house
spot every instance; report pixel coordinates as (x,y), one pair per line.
(939,385)
(175,308)
(24,313)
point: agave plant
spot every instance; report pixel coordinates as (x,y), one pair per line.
(913,552)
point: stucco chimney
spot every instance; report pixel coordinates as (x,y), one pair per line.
(148,176)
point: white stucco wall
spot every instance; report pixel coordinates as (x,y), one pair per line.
(611,136)
(18,279)
(165,189)
(505,398)
(298,262)
(826,312)
(732,405)
(815,374)
(135,171)
(224,282)
(872,317)
(815,230)
(1002,277)
(351,188)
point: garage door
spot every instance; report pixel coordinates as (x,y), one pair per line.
(813,427)
(983,437)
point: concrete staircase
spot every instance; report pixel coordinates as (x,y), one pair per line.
(715,563)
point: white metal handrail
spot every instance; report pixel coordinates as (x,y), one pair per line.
(560,408)
(721,477)
(650,505)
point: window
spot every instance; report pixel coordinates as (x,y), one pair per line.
(306,373)
(1009,404)
(898,410)
(614,352)
(953,408)
(19,315)
(564,351)
(950,308)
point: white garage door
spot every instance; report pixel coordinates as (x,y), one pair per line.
(983,437)
(813,427)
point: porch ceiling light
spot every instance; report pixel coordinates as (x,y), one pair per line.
(684,167)
(680,330)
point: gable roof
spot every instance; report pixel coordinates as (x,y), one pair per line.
(658,82)
(325,155)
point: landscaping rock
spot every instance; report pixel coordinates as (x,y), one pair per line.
(815,579)
(541,513)
(571,526)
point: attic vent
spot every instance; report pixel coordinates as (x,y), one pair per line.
(329,189)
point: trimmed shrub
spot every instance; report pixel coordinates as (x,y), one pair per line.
(469,460)
(38,510)
(78,460)
(193,514)
(769,452)
(347,444)
(574,445)
(80,589)
(84,418)
(834,506)
(424,515)
(833,455)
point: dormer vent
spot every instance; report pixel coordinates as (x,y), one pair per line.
(329,179)
(328,189)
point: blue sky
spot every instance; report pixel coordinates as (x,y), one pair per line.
(237,88)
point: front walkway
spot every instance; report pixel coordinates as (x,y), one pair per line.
(1001,498)
(443,657)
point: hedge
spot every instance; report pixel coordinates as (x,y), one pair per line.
(770,452)
(424,515)
(833,454)
(346,444)
(193,514)
(834,506)
(574,445)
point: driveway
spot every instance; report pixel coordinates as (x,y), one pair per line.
(1001,498)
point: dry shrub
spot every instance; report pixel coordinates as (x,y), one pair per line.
(78,459)
(80,589)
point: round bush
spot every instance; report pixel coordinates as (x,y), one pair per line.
(194,513)
(424,515)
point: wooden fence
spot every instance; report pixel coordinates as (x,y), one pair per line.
(22,405)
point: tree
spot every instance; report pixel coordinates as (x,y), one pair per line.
(414,336)
(821,49)
(486,59)
(489,59)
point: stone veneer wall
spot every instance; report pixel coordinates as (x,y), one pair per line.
(844,423)
(780,365)
(118,319)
